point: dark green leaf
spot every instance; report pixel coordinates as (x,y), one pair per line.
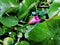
(24,43)
(18,43)
(54,25)
(13,34)
(40,32)
(45,30)
(3,30)
(25,7)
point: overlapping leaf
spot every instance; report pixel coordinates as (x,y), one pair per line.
(25,6)
(7,5)
(45,30)
(54,8)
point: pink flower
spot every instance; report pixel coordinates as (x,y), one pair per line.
(35,19)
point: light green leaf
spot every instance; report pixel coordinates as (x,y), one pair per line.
(7,5)
(8,41)
(1,41)
(9,21)
(54,9)
(58,1)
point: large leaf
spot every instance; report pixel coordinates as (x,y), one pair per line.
(53,41)
(9,21)
(57,38)
(7,5)
(25,7)
(40,32)
(45,30)
(54,25)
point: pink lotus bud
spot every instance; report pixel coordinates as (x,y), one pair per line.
(35,19)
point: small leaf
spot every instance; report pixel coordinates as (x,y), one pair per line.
(12,34)
(18,43)
(3,30)
(24,43)
(8,41)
